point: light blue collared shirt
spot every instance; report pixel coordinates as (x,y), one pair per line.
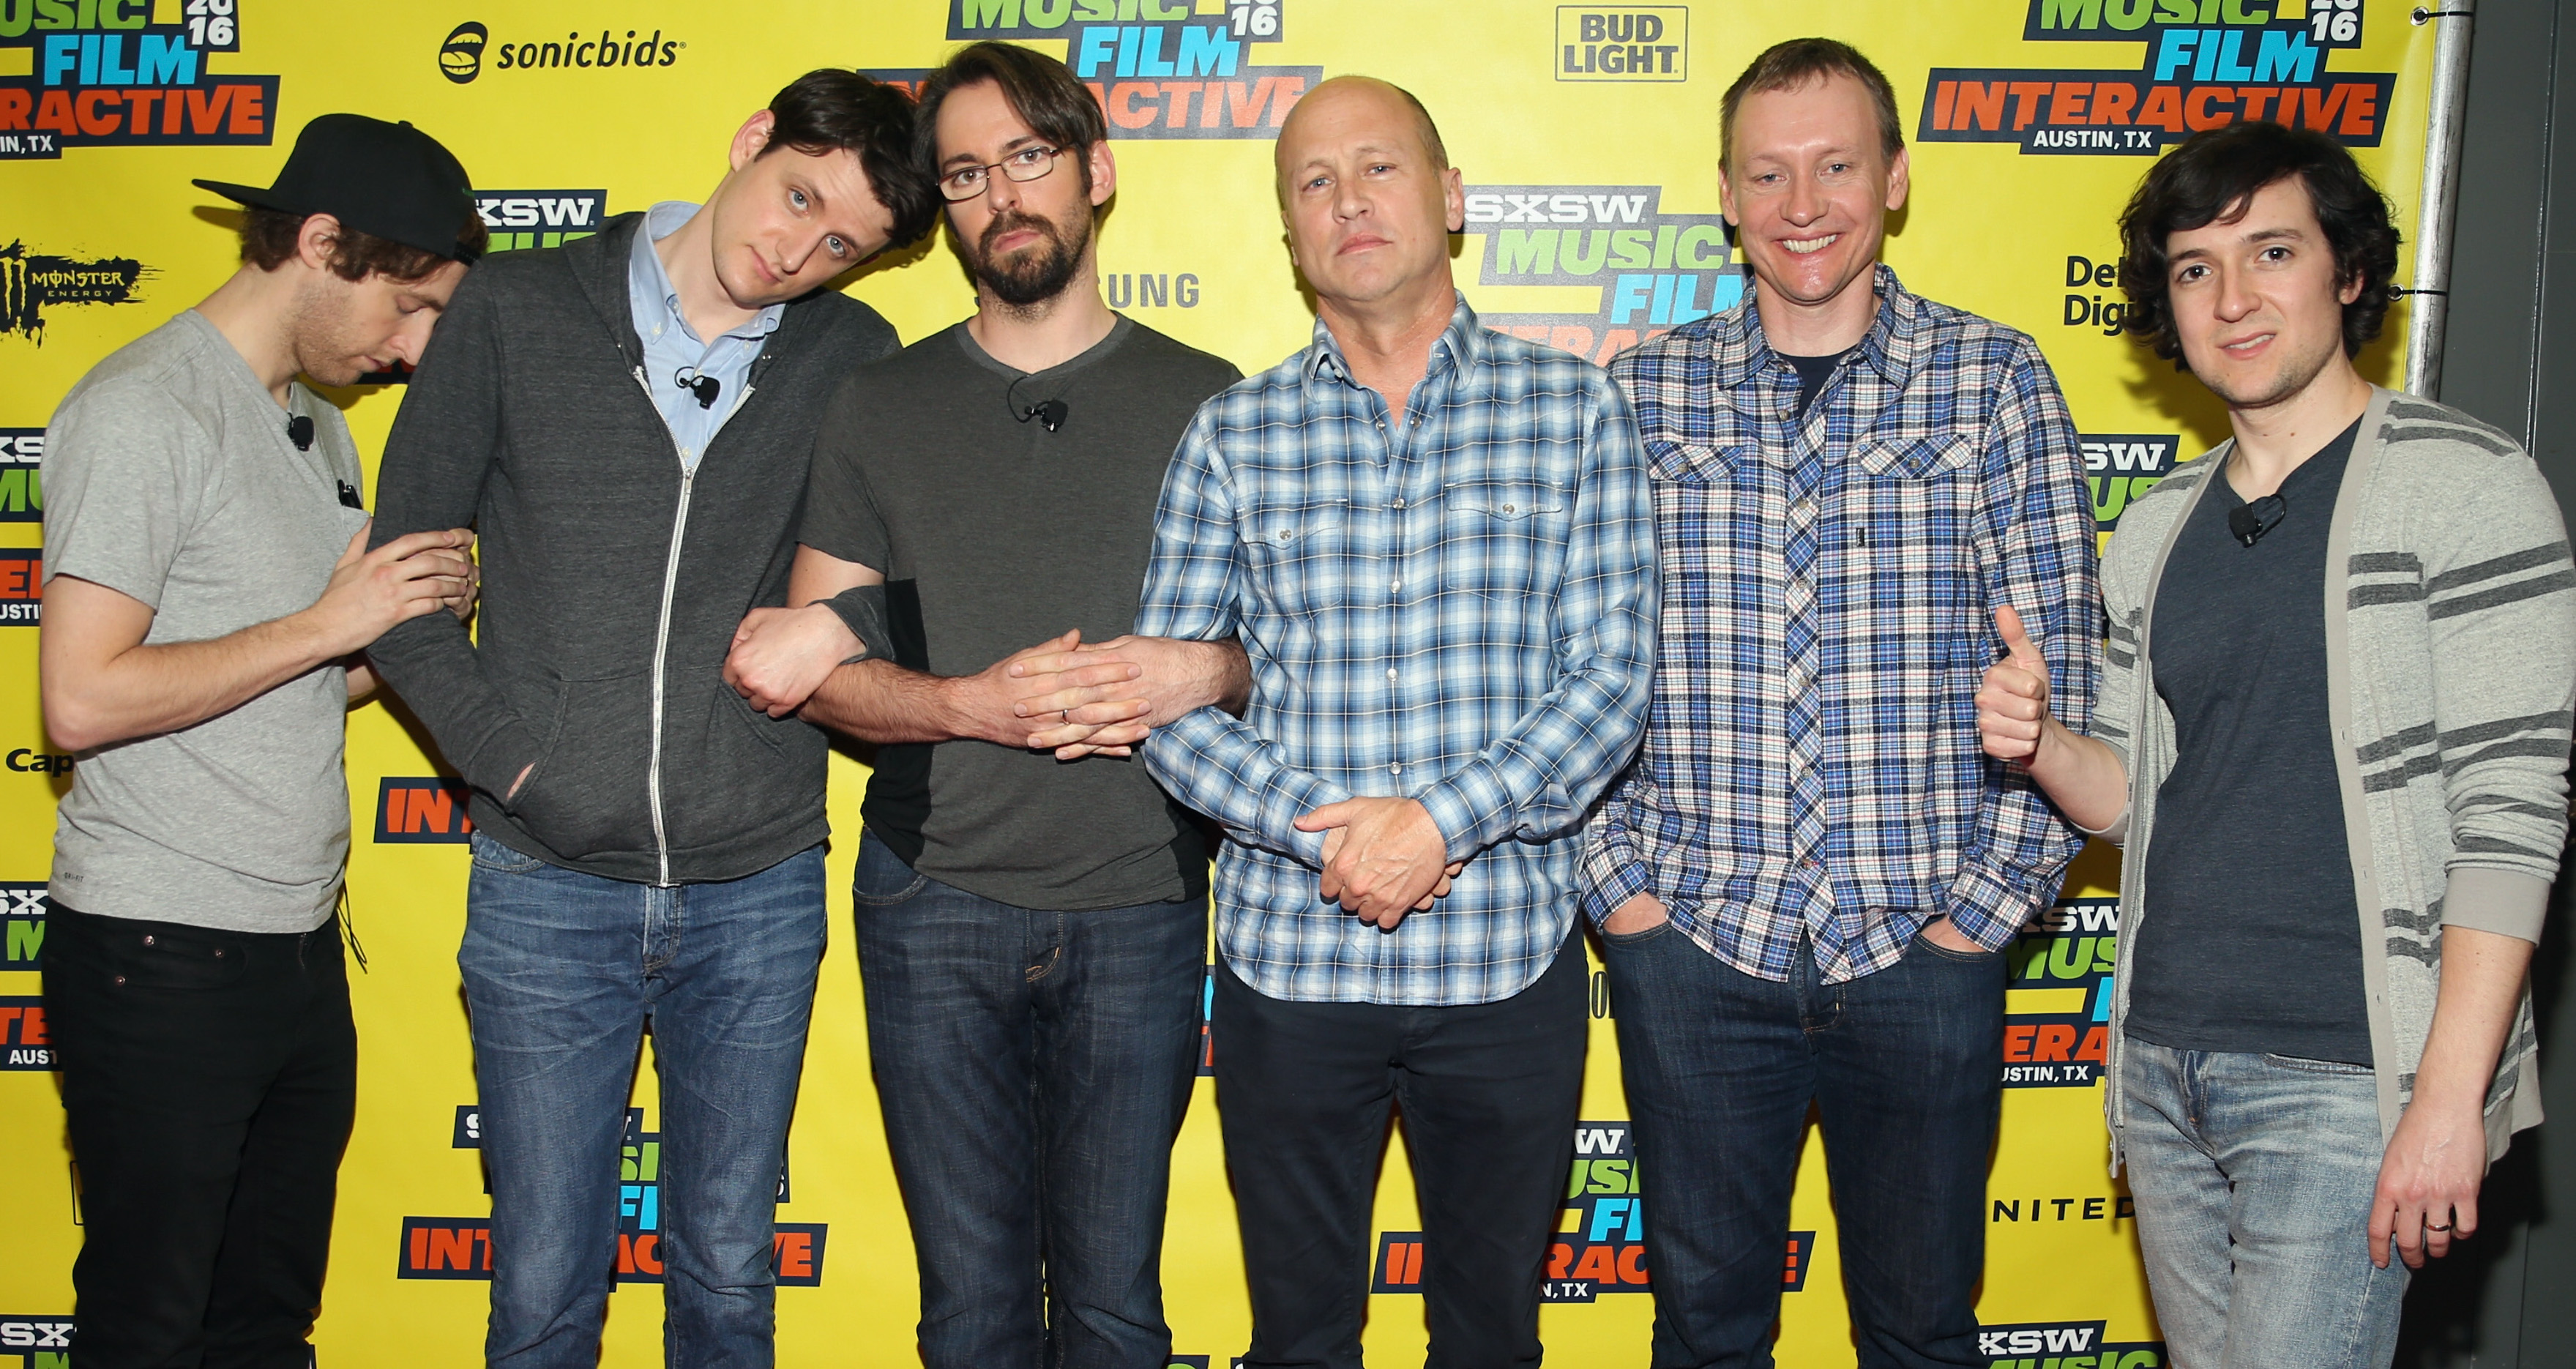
(671,346)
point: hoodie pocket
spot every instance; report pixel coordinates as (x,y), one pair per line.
(586,797)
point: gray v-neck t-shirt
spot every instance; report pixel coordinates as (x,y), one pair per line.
(169,478)
(2256,942)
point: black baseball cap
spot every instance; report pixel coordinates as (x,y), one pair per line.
(391,180)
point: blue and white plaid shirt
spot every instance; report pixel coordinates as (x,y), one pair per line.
(1812,764)
(1461,611)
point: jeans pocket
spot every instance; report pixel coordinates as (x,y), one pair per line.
(881,879)
(492,855)
(2304,1065)
(1955,957)
(160,959)
(1625,940)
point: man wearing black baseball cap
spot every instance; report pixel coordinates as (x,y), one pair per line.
(208,591)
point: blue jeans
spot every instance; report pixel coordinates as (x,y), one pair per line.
(563,971)
(2254,1176)
(1905,1068)
(1033,1068)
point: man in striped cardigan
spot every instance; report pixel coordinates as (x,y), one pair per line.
(2333,735)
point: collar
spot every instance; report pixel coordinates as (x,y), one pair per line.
(1897,338)
(649,282)
(1460,345)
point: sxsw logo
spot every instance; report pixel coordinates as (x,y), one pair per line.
(22,492)
(2200,67)
(1600,1244)
(118,73)
(22,586)
(2066,1344)
(539,218)
(2057,1008)
(428,809)
(24,1045)
(1159,68)
(2119,467)
(1653,270)
(35,1342)
(1637,43)
(22,927)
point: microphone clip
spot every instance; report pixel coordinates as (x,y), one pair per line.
(1050,414)
(700,384)
(299,430)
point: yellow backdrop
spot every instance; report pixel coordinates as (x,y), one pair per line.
(1589,141)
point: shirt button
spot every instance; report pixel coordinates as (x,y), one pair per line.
(148,941)
(1809,862)
(1381,423)
(1399,503)
(1390,672)
(1393,585)
(1395,769)
(1509,509)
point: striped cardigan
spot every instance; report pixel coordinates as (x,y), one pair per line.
(2450,678)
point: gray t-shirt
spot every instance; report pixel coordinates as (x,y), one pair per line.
(169,477)
(996,534)
(2256,942)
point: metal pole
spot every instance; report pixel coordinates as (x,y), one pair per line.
(2431,294)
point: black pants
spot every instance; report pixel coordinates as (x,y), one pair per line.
(1489,1094)
(211,1078)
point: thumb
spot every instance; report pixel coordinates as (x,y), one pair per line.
(357,543)
(2016,640)
(1330,815)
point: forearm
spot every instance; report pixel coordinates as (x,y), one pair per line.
(2482,977)
(2081,775)
(147,690)
(361,678)
(879,701)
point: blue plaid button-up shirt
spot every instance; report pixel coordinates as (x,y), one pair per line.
(1459,608)
(1812,765)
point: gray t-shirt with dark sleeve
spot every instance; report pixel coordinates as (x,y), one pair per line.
(169,478)
(995,534)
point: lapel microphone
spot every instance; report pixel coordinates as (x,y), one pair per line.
(2248,522)
(699,383)
(299,430)
(1050,414)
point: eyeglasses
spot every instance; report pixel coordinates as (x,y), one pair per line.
(1027,164)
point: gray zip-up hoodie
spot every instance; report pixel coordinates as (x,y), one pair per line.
(2450,678)
(612,580)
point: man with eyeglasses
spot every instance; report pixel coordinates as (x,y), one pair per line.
(1032,933)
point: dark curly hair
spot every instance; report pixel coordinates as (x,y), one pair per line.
(831,110)
(269,238)
(1046,95)
(2212,177)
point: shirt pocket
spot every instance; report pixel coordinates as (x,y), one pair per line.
(1504,539)
(1294,554)
(1907,541)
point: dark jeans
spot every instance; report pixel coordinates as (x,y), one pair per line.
(1033,1068)
(1905,1067)
(563,970)
(1489,1093)
(211,1078)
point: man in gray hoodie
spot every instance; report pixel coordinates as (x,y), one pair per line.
(626,422)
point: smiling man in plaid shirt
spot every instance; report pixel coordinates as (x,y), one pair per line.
(1436,547)
(1806,882)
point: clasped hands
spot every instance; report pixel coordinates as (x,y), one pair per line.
(1065,695)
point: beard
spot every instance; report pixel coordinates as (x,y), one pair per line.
(331,347)
(1034,274)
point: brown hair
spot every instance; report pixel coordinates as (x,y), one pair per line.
(1789,65)
(268,238)
(2212,178)
(1040,90)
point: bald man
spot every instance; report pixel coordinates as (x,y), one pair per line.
(1435,543)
